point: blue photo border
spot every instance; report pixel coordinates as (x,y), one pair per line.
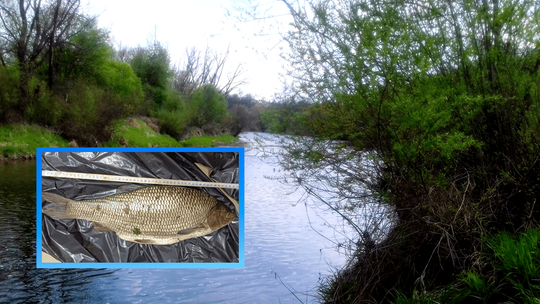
(39,245)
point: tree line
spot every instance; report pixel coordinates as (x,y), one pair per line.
(59,69)
(440,99)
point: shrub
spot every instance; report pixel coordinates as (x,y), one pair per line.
(516,277)
(173,115)
(8,89)
(124,85)
(87,114)
(85,57)
(151,65)
(207,105)
(44,107)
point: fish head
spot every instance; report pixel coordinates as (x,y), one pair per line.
(220,216)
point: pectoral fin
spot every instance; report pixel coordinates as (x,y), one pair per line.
(195,230)
(100,228)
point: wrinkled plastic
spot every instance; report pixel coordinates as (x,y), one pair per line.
(74,240)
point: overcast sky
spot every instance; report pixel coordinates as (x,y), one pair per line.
(181,24)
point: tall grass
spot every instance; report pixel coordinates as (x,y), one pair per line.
(514,276)
(142,136)
(22,140)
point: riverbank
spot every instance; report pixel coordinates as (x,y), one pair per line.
(19,141)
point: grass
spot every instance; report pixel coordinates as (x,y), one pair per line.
(209,141)
(21,141)
(143,136)
(516,260)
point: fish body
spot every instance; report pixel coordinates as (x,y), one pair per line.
(160,215)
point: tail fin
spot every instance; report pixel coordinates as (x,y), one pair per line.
(59,210)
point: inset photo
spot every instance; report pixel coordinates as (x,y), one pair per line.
(140,207)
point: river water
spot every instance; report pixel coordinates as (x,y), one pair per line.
(289,247)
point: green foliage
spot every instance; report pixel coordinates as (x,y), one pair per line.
(112,144)
(18,140)
(152,66)
(517,278)
(123,83)
(447,95)
(88,87)
(87,112)
(44,106)
(519,259)
(82,105)
(142,136)
(87,54)
(174,115)
(273,121)
(9,78)
(207,105)
(287,118)
(89,58)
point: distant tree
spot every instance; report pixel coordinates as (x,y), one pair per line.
(123,54)
(246,100)
(241,119)
(211,68)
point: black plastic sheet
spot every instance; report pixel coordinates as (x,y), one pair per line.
(74,240)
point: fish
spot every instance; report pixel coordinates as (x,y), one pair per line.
(159,215)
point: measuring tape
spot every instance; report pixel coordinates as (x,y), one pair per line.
(137,180)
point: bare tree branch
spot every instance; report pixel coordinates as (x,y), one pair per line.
(200,68)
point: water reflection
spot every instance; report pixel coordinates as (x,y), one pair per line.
(20,281)
(281,249)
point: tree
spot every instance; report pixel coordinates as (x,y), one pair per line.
(208,68)
(152,66)
(208,105)
(441,99)
(33,30)
(84,55)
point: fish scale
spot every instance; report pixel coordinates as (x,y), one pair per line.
(161,214)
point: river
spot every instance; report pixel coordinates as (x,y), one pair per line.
(289,247)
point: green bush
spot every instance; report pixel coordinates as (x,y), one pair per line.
(44,107)
(173,115)
(288,118)
(9,78)
(207,105)
(516,277)
(209,141)
(85,57)
(151,65)
(87,113)
(124,85)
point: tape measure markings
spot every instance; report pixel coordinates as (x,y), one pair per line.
(139,180)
